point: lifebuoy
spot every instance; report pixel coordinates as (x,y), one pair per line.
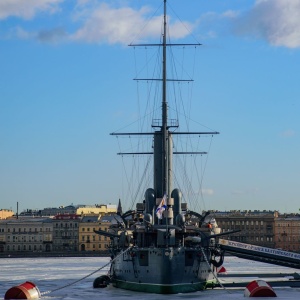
(217,253)
(101,282)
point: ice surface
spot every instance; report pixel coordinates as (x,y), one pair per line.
(49,274)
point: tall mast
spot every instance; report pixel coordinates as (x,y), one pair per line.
(162,136)
(164,128)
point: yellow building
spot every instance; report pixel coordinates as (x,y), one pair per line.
(88,239)
(5,213)
(26,235)
(96,210)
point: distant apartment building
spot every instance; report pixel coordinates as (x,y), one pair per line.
(96,209)
(88,239)
(26,235)
(49,211)
(53,211)
(256,227)
(6,213)
(65,232)
(70,209)
(287,232)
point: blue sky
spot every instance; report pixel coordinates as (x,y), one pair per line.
(65,84)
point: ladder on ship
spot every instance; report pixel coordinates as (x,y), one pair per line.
(261,254)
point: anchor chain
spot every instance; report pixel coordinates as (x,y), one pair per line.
(78,280)
(216,277)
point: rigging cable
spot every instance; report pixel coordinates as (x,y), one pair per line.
(215,276)
(78,280)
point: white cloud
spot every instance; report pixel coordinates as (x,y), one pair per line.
(276,21)
(207,192)
(210,25)
(95,23)
(230,14)
(20,33)
(287,133)
(122,25)
(26,9)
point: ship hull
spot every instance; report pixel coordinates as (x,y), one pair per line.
(162,270)
(159,288)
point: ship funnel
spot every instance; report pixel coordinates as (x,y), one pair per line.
(150,200)
(176,194)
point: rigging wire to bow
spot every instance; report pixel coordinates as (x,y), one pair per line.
(78,280)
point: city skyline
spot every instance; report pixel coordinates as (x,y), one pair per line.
(65,84)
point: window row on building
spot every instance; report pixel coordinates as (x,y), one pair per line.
(69,232)
(264,228)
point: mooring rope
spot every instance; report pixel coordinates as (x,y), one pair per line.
(215,276)
(69,284)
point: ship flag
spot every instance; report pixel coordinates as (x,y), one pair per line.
(161,207)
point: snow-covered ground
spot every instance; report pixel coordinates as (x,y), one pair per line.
(50,274)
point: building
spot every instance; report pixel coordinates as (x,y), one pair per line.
(26,235)
(65,232)
(70,209)
(96,209)
(88,239)
(257,227)
(287,232)
(54,211)
(6,213)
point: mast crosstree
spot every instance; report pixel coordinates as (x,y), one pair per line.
(163,136)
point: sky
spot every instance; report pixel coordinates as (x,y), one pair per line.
(66,84)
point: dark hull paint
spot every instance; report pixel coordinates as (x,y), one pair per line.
(160,288)
(161,270)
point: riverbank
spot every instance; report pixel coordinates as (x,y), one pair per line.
(53,254)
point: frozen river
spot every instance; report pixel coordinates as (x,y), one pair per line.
(50,274)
